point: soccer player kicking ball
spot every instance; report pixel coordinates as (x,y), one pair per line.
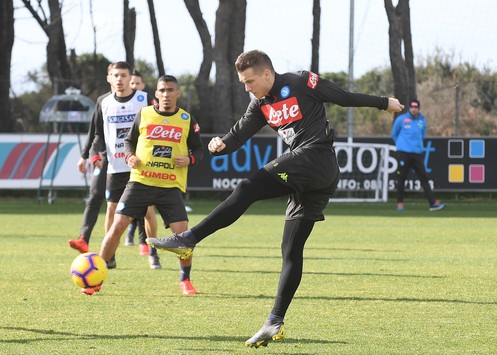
(292,105)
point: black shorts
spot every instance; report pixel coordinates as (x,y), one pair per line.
(168,201)
(116,183)
(313,174)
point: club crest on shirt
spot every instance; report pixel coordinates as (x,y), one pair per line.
(285,91)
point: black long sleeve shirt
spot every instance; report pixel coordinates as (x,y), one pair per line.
(294,108)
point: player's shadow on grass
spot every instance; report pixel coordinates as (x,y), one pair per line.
(265,247)
(360,299)
(403,299)
(54,335)
(322,273)
(306,258)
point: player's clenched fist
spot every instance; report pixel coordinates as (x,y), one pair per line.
(394,105)
(133,161)
(216,145)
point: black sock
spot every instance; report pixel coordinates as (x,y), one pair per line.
(189,238)
(273,319)
(185,273)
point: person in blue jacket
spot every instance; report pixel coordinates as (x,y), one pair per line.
(408,132)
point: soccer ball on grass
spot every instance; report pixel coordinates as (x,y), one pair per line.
(89,271)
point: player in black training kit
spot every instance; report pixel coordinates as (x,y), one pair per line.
(292,105)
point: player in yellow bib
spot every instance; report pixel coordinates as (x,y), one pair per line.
(158,138)
(162,143)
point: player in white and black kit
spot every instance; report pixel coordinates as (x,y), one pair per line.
(96,192)
(292,105)
(114,117)
(97,185)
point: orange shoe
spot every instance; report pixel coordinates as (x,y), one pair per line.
(187,288)
(80,245)
(144,249)
(91,290)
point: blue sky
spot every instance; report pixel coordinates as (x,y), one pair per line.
(282,28)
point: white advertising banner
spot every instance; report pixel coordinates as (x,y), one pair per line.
(31,161)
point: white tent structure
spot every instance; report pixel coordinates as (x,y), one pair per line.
(61,111)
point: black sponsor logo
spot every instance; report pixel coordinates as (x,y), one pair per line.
(121,133)
(162,151)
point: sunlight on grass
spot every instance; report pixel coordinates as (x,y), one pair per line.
(375,282)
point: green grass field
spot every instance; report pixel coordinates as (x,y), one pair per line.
(376,281)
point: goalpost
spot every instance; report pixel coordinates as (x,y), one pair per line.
(363,172)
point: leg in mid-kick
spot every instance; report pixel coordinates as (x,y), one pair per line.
(261,186)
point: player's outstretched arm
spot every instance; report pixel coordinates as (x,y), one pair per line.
(394,105)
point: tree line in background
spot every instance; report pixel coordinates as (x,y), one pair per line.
(458,99)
